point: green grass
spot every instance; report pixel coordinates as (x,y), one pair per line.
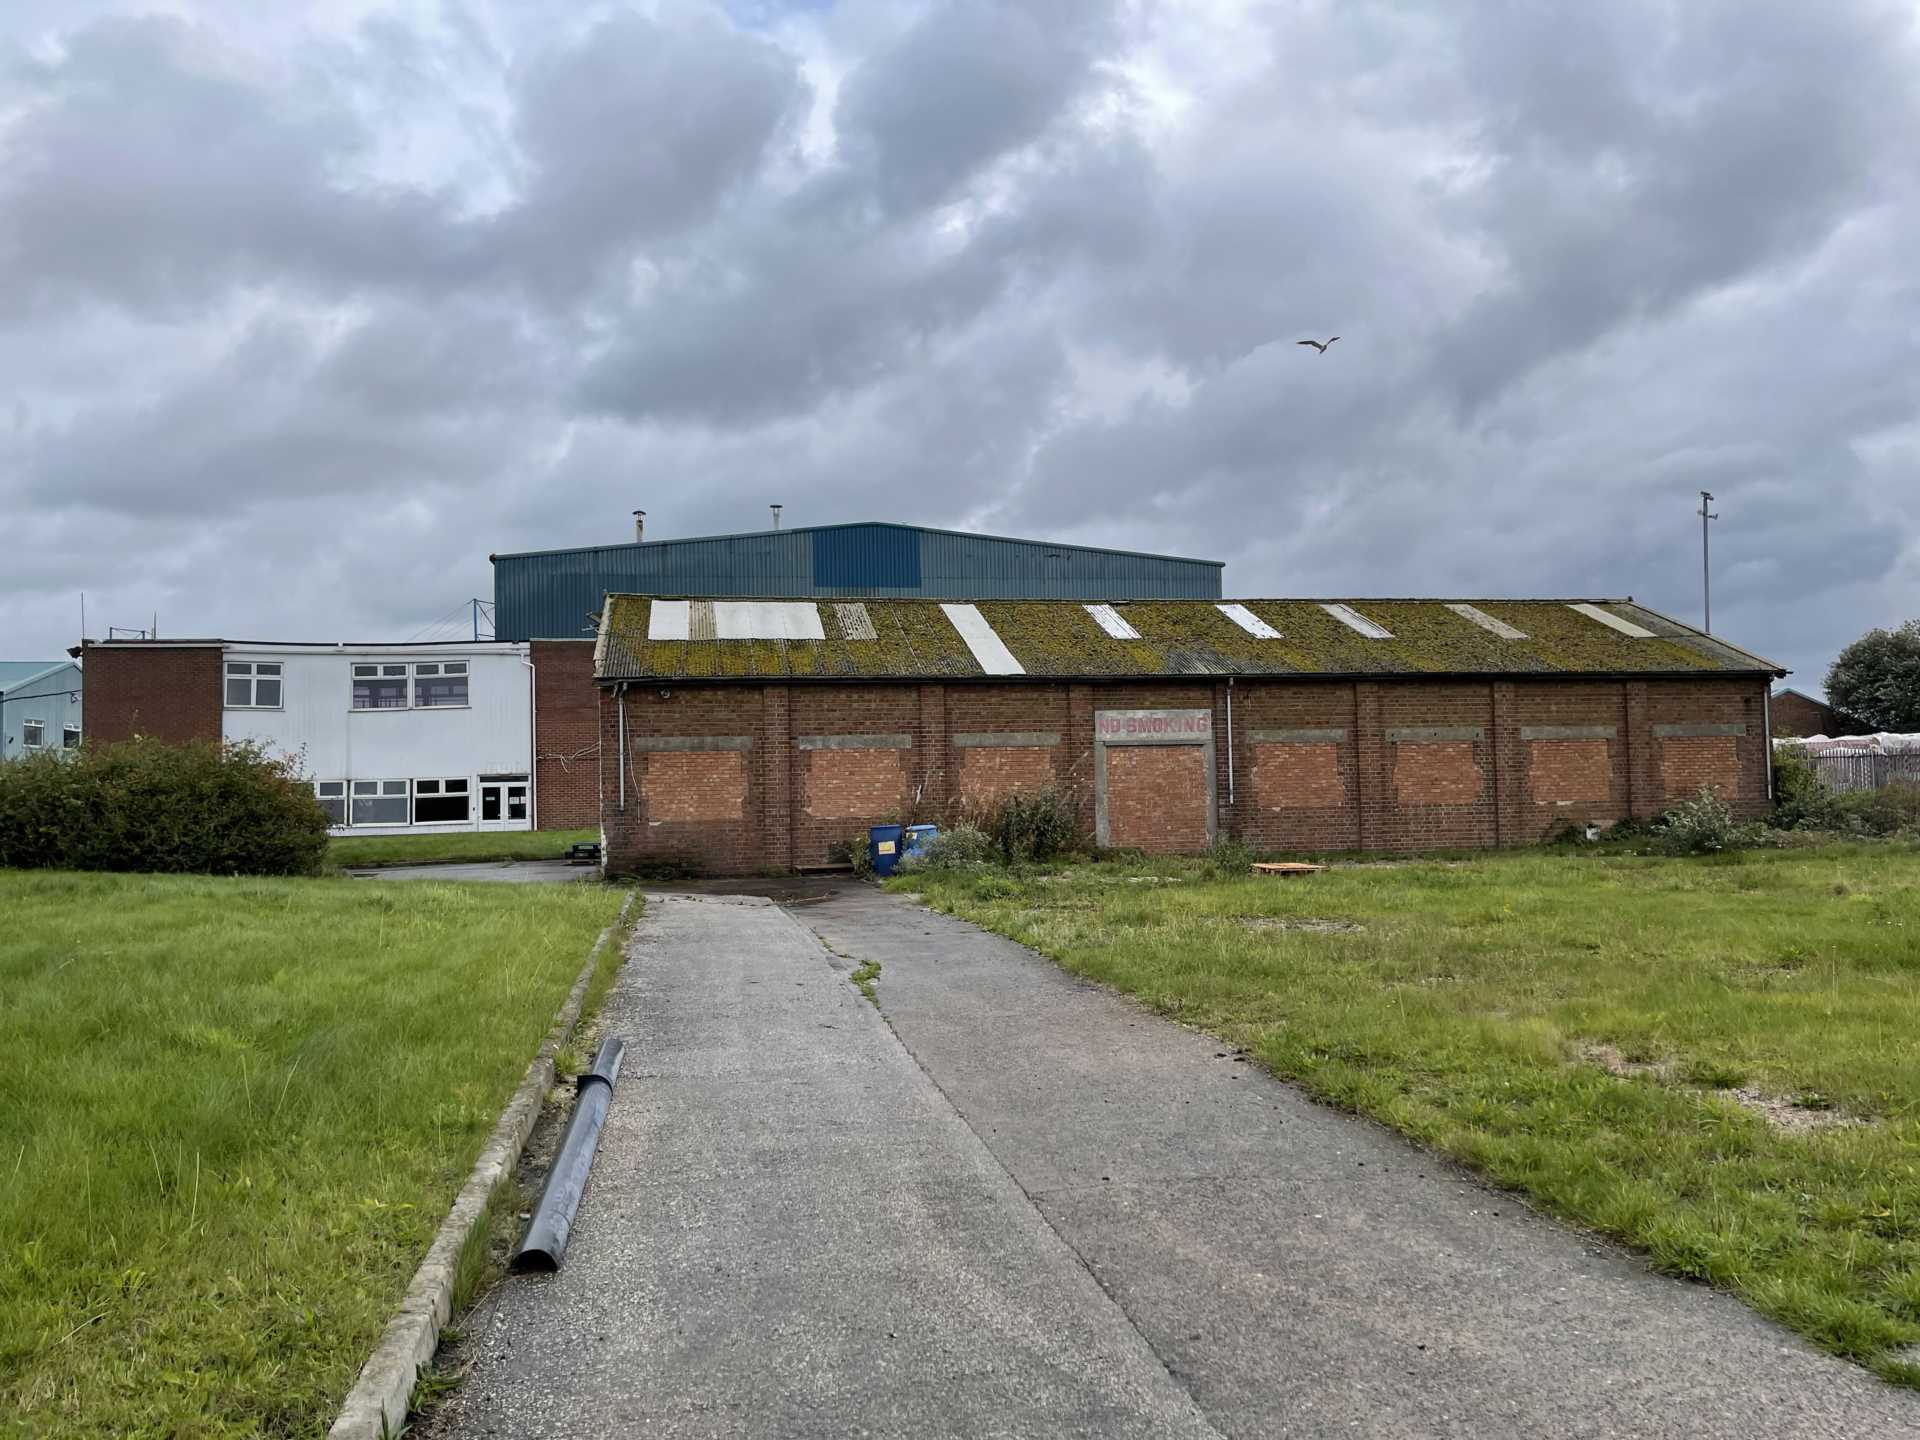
(363,850)
(1483,1008)
(234,1112)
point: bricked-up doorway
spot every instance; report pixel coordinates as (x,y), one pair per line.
(1153,779)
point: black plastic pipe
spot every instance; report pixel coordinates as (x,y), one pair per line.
(546,1239)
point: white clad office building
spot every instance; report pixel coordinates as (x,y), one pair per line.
(415,738)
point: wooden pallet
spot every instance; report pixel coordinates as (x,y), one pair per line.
(1287,868)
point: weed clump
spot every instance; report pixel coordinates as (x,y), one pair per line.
(958,847)
(1703,826)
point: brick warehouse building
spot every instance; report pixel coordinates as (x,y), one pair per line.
(546,606)
(743,736)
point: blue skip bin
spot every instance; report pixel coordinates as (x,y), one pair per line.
(883,848)
(917,840)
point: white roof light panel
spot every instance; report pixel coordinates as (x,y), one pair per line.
(1613,621)
(1354,620)
(1249,622)
(987,647)
(1487,622)
(667,620)
(767,620)
(1113,622)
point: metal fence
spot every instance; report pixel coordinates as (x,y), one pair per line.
(1843,772)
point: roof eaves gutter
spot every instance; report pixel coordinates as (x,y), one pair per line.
(1346,677)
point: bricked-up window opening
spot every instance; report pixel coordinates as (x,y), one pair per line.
(332,795)
(33,733)
(253,685)
(70,738)
(379,802)
(379,687)
(440,683)
(440,802)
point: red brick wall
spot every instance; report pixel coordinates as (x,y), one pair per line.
(1397,764)
(1566,772)
(1690,763)
(168,693)
(566,734)
(990,773)
(1157,797)
(694,785)
(854,784)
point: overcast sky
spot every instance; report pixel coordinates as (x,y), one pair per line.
(299,319)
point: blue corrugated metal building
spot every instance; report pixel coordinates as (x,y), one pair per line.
(556,594)
(40,706)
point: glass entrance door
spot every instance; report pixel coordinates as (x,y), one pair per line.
(504,803)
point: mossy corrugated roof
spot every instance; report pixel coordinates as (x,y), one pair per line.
(1058,639)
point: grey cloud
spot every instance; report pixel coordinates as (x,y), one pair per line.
(639,128)
(297,324)
(971,80)
(149,170)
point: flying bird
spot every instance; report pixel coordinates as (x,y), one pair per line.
(1320,345)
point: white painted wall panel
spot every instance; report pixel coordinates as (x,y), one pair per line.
(493,734)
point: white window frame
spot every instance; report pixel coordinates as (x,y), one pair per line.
(252,672)
(344,797)
(442,670)
(381,791)
(444,788)
(27,722)
(381,667)
(70,737)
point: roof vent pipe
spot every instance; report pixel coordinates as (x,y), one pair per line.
(776,509)
(639,526)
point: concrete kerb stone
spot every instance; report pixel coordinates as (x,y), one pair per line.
(376,1407)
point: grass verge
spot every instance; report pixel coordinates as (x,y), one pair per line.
(360,851)
(236,1112)
(1712,1060)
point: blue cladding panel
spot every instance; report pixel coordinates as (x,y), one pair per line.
(553,595)
(866,558)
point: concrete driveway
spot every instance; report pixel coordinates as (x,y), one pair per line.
(1020,1205)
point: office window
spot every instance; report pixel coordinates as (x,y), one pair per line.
(70,737)
(33,733)
(379,687)
(440,682)
(379,802)
(333,799)
(253,685)
(436,802)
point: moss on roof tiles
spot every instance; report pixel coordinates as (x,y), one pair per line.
(1053,638)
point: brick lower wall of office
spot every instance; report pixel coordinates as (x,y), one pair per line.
(169,693)
(567,742)
(783,775)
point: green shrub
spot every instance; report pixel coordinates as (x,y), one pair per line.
(1703,826)
(205,808)
(1801,799)
(1894,809)
(957,847)
(860,856)
(1230,858)
(1033,825)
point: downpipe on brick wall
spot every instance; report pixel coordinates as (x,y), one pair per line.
(1230,741)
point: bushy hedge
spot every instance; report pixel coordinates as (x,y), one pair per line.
(1802,801)
(205,808)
